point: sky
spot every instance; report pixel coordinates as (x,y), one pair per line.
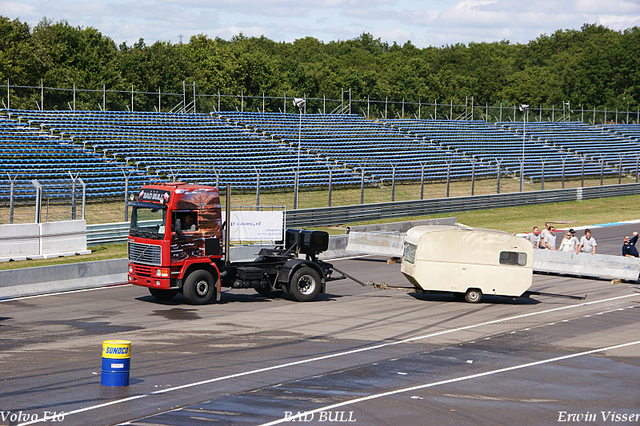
(424,23)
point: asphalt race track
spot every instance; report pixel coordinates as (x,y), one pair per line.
(356,356)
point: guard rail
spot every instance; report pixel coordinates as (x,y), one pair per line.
(328,216)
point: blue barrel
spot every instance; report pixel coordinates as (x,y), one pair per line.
(116,362)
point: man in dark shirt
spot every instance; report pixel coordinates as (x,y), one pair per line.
(629,247)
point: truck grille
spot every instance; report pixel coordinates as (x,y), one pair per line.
(145,253)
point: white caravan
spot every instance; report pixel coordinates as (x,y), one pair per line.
(467,262)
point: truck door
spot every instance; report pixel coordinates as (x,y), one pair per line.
(186,239)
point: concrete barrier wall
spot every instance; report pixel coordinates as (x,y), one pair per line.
(19,240)
(63,237)
(586,265)
(43,240)
(51,279)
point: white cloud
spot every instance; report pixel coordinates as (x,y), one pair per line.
(424,22)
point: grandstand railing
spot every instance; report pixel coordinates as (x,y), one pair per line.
(117,232)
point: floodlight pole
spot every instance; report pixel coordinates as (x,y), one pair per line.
(524,109)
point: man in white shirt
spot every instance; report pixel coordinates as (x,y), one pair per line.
(587,243)
(550,239)
(544,235)
(534,237)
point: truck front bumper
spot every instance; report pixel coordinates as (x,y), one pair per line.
(147,276)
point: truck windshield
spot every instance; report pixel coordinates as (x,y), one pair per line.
(148,222)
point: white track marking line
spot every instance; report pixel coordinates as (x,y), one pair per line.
(339,354)
(445,382)
(80,290)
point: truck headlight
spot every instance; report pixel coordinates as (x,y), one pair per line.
(130,269)
(162,273)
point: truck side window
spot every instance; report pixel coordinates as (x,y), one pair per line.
(185,222)
(513,258)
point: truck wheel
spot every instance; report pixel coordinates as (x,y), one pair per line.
(304,285)
(162,294)
(473,295)
(199,287)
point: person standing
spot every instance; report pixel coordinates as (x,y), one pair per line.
(629,247)
(545,234)
(550,239)
(534,237)
(575,239)
(568,243)
(587,243)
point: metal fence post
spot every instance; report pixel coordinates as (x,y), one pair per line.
(126,194)
(84,195)
(564,160)
(386,102)
(582,174)
(295,189)
(73,194)
(601,171)
(330,184)
(637,160)
(620,170)
(38,200)
(217,179)
(257,185)
(393,183)
(498,163)
(473,168)
(362,187)
(542,178)
(448,175)
(421,181)
(11,189)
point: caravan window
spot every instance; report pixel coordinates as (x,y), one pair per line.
(409,252)
(513,258)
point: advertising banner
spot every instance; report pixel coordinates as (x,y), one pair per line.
(256,226)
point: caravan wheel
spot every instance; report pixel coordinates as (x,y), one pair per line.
(473,295)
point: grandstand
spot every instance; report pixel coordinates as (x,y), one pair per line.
(233,147)
(593,142)
(503,142)
(29,153)
(355,142)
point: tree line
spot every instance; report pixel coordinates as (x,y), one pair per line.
(590,67)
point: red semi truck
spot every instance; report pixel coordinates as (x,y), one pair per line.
(176,245)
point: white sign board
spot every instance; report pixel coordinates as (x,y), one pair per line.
(256,226)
